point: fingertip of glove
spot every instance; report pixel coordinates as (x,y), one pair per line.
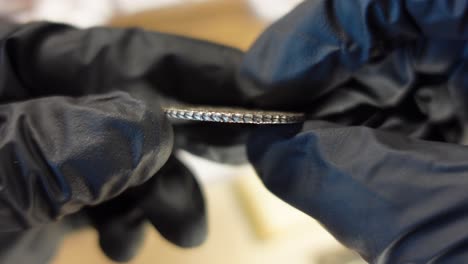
(176,207)
(186,232)
(194,235)
(119,241)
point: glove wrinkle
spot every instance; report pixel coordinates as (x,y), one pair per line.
(391,76)
(67,153)
(94,129)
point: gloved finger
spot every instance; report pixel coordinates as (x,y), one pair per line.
(49,59)
(391,198)
(119,222)
(120,226)
(120,239)
(174,204)
(315,53)
(59,154)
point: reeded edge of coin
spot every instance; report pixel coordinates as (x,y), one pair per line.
(232,115)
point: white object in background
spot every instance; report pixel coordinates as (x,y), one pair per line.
(80,13)
(208,172)
(133,6)
(15,10)
(271,10)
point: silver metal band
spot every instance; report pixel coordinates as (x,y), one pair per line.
(231,115)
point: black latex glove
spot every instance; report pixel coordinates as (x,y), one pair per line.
(171,201)
(81,124)
(383,80)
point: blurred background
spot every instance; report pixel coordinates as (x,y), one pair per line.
(246,223)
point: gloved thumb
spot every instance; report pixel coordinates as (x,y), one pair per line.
(391,198)
(59,154)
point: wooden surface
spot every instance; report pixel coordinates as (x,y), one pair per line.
(230,22)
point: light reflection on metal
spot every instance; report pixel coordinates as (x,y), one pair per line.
(231,115)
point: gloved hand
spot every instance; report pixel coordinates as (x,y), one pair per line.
(380,162)
(81,127)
